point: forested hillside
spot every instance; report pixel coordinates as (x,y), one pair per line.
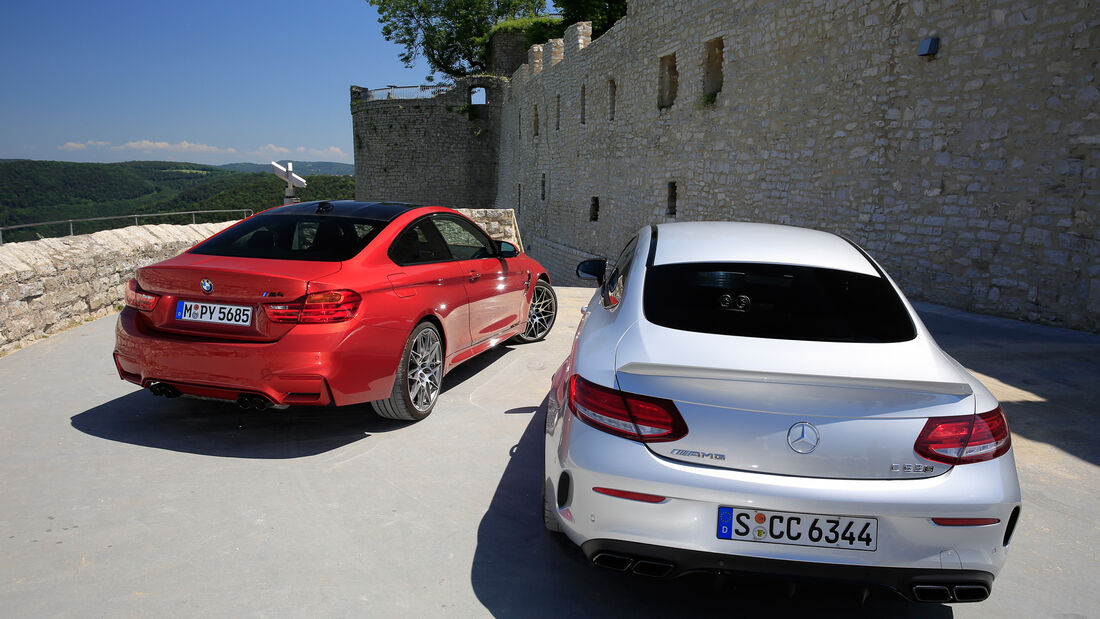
(36,191)
(301,168)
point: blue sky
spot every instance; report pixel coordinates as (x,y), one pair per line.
(202,81)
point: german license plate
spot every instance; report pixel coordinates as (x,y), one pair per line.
(213,312)
(754,525)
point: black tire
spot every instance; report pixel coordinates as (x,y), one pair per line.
(549,515)
(417,384)
(541,314)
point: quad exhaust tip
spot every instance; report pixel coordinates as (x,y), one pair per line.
(164,390)
(971,593)
(247,401)
(943,594)
(251,401)
(936,594)
(642,567)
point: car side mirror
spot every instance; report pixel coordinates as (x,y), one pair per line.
(506,249)
(593,269)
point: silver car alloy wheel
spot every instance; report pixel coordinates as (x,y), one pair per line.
(425,370)
(540,316)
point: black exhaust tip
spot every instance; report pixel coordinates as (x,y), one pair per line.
(610,561)
(932,593)
(654,569)
(252,401)
(164,390)
(971,593)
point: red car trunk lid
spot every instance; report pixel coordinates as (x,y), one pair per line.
(233,282)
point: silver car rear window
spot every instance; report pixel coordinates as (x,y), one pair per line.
(775,301)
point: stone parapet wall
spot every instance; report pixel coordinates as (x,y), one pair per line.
(499,223)
(972,176)
(50,285)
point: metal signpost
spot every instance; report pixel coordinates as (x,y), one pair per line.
(292,181)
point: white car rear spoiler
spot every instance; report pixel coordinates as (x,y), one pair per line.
(918,386)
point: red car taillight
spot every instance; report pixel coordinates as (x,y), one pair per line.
(636,417)
(964,439)
(317,307)
(138,298)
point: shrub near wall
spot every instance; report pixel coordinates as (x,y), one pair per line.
(50,285)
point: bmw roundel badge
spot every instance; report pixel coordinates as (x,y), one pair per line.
(207,286)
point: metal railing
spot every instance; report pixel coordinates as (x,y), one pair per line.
(405,92)
(135,217)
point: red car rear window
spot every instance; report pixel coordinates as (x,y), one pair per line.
(280,236)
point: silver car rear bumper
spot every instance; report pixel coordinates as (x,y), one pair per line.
(581,457)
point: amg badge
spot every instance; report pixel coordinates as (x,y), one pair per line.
(706,455)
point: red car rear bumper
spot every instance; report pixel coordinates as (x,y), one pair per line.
(342,363)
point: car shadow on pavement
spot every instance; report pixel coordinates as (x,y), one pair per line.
(471,368)
(521,570)
(223,429)
(1048,374)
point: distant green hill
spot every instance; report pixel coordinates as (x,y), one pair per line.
(36,191)
(301,168)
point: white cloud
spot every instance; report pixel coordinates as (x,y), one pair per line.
(198,152)
(178,147)
(332,152)
(271,149)
(82,145)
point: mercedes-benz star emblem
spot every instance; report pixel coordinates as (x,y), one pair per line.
(207,286)
(803,437)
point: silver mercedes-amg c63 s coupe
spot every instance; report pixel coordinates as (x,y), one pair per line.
(761,398)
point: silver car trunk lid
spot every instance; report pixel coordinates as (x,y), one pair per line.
(809,426)
(851,410)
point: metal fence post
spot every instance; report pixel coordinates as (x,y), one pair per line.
(70,227)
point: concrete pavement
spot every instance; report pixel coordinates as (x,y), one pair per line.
(115,503)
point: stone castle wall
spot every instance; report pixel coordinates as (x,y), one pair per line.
(50,285)
(971,175)
(440,150)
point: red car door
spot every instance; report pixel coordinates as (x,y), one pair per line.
(431,281)
(495,292)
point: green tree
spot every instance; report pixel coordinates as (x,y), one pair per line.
(602,13)
(449,34)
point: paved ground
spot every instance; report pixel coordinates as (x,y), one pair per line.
(114,503)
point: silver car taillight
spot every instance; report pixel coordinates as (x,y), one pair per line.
(636,417)
(965,438)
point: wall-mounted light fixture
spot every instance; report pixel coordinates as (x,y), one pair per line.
(929,46)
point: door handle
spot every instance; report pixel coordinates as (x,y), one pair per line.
(439,282)
(474,276)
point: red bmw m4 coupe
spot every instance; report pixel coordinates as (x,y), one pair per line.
(324,303)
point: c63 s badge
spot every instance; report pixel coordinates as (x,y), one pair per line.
(911,468)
